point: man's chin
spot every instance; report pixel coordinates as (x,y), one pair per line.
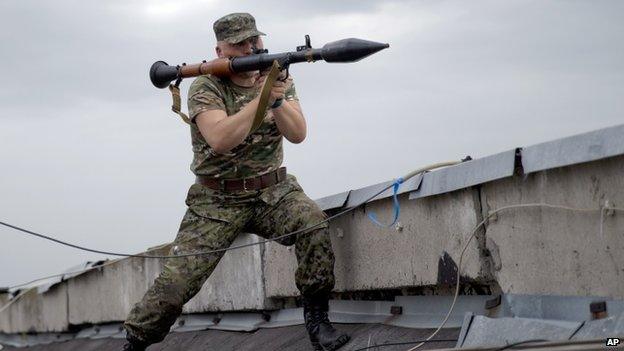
(249,74)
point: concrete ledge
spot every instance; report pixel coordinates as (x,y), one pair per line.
(279,271)
(534,251)
(108,293)
(46,312)
(559,252)
(236,283)
(5,320)
(369,257)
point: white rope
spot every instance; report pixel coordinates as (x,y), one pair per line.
(474,232)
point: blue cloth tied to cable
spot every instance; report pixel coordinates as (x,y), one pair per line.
(395,203)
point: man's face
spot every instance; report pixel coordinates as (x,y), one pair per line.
(243,48)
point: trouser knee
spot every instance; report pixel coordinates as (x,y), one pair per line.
(151,318)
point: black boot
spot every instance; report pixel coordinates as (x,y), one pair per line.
(134,345)
(322,334)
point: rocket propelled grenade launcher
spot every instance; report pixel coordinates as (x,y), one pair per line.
(346,50)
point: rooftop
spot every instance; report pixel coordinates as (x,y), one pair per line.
(534,233)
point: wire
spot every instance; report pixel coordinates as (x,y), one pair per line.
(42,236)
(300,231)
(22,293)
(507,347)
(404,343)
(84,270)
(305,230)
(10,302)
(411,174)
(474,232)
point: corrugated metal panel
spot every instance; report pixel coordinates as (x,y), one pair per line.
(467,174)
(580,148)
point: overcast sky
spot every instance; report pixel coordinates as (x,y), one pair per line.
(91,153)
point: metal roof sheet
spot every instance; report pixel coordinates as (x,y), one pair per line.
(467,174)
(580,148)
(292,338)
(576,149)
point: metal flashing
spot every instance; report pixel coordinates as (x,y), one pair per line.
(565,308)
(430,311)
(332,201)
(21,340)
(287,338)
(580,148)
(486,331)
(285,317)
(358,196)
(572,150)
(601,328)
(239,321)
(468,317)
(348,311)
(44,285)
(467,174)
(518,317)
(417,312)
(115,331)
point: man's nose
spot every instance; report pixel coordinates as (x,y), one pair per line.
(248,48)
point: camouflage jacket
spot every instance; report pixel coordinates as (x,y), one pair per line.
(259,153)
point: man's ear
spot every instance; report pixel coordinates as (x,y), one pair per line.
(218,51)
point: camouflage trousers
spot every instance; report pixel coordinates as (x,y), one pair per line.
(212,221)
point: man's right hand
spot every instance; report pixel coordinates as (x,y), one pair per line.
(278,90)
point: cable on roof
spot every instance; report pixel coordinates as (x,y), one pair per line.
(507,347)
(404,343)
(300,231)
(491,214)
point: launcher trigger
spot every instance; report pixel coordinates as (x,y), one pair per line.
(284,65)
(286,76)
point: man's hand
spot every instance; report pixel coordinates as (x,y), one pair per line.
(278,90)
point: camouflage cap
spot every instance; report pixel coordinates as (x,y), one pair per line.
(236,27)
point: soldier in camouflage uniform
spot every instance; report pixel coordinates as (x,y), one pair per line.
(221,205)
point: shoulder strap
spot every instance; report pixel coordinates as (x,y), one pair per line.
(176,106)
(264,96)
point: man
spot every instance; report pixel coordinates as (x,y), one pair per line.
(240,187)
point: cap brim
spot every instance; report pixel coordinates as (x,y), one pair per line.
(243,36)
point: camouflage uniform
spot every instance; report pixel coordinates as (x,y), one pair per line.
(214,218)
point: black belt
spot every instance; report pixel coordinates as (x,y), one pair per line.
(251,183)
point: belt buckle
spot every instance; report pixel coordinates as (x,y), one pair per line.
(245,184)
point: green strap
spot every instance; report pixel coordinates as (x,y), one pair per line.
(263,104)
(176,106)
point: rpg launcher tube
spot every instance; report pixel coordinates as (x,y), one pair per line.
(344,51)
